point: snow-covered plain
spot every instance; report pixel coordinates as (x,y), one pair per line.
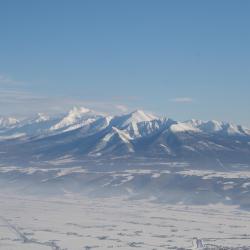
(76,223)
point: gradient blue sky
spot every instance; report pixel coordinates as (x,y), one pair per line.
(183,59)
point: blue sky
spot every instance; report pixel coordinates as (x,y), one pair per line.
(183,59)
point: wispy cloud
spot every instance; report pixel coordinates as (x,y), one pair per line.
(8,81)
(182,100)
(16,99)
(122,108)
(24,103)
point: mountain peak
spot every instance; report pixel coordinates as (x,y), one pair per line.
(73,116)
(141,116)
(41,117)
(183,127)
(133,118)
(138,111)
(78,111)
(8,121)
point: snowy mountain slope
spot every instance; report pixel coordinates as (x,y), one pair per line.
(135,117)
(76,118)
(134,122)
(116,141)
(37,125)
(183,127)
(213,126)
(42,125)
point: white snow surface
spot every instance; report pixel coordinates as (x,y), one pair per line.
(13,136)
(139,116)
(182,127)
(41,117)
(208,174)
(75,115)
(77,223)
(6,122)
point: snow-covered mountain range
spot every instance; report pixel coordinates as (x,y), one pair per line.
(136,154)
(85,134)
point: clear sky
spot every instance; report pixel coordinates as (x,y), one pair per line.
(183,59)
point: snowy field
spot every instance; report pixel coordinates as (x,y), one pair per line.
(74,223)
